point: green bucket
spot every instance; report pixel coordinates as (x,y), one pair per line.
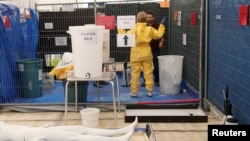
(30,77)
(82,91)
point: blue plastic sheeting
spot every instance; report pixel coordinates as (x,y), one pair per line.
(14,32)
(6,79)
(17,41)
(55,95)
(31,35)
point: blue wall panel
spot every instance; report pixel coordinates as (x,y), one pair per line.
(229,57)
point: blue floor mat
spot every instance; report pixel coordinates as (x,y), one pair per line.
(104,95)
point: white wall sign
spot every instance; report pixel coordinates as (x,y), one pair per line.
(125,22)
(61,41)
(179,18)
(218,17)
(125,40)
(184,39)
(48,25)
(89,37)
(68,7)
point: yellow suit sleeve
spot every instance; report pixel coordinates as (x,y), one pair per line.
(61,72)
(121,31)
(158,34)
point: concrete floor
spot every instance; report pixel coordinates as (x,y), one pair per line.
(163,131)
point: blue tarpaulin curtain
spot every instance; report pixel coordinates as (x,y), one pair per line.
(17,41)
(31,35)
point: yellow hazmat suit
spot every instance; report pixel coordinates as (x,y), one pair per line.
(61,72)
(140,55)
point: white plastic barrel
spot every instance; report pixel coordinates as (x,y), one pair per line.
(170,72)
(87,49)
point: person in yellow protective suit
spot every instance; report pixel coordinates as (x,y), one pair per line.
(140,55)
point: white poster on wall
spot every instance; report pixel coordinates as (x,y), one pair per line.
(125,22)
(125,40)
(179,18)
(48,26)
(184,39)
(61,41)
(68,7)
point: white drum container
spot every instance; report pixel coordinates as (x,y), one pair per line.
(170,72)
(87,49)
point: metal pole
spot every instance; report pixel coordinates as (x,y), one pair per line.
(95,10)
(169,28)
(206,56)
(77,4)
(201,58)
